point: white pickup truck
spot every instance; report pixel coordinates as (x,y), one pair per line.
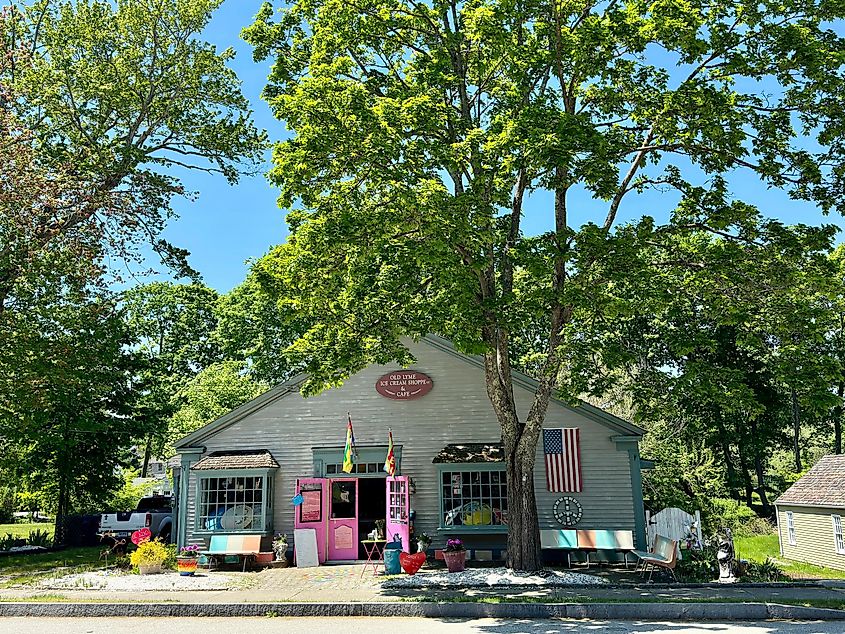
(154,512)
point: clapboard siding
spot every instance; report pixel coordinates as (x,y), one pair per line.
(457,410)
(814,541)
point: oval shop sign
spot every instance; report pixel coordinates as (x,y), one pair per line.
(403,385)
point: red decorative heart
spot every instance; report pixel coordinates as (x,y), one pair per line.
(141,535)
(411,563)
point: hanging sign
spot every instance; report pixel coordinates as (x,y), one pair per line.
(404,385)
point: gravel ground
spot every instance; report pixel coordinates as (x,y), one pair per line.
(485,577)
(121,581)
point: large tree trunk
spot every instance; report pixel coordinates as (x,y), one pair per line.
(523,522)
(520,444)
(796,432)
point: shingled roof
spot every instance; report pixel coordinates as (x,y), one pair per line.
(470,452)
(823,485)
(240,459)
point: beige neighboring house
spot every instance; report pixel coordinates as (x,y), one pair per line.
(811,515)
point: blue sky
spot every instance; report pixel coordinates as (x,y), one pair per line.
(225,226)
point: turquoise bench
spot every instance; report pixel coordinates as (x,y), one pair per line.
(246,546)
(587,541)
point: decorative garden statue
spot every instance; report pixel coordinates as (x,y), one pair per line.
(725,557)
(280,547)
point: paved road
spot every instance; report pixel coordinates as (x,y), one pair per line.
(394,626)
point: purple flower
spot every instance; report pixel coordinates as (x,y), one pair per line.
(454,544)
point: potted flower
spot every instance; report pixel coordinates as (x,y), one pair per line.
(455,555)
(186,561)
(423,542)
(280,548)
(149,557)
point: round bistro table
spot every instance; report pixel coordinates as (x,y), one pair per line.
(375,554)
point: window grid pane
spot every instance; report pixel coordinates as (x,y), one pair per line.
(233,503)
(474,498)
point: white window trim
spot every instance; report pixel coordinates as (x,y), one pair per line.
(838,534)
(790,528)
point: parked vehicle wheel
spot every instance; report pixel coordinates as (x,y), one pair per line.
(164,535)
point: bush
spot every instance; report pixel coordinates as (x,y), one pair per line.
(150,553)
(722,513)
(699,566)
(767,571)
(39,538)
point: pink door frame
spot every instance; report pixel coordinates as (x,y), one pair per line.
(342,532)
(397,509)
(309,508)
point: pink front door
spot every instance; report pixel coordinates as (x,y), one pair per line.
(343,519)
(398,508)
(313,510)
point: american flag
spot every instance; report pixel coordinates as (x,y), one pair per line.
(562,448)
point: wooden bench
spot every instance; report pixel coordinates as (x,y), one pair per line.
(245,546)
(588,541)
(663,555)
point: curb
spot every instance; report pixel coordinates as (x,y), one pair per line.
(602,611)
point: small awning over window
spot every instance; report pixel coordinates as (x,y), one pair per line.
(471,453)
(243,459)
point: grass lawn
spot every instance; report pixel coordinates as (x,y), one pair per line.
(759,547)
(23,530)
(23,569)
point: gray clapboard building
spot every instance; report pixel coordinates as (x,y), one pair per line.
(811,515)
(240,473)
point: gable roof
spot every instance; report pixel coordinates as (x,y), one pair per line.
(606,419)
(823,485)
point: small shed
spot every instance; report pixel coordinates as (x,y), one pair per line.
(810,515)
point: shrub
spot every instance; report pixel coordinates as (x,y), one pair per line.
(767,571)
(699,566)
(724,513)
(39,538)
(8,541)
(151,552)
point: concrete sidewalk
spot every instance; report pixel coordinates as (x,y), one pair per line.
(345,584)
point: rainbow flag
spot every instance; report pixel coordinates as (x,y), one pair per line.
(348,451)
(390,461)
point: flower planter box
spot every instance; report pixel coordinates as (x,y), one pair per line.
(149,569)
(265,558)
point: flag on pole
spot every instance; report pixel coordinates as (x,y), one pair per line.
(562,449)
(348,460)
(390,461)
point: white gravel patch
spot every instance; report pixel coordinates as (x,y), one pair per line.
(23,549)
(127,582)
(485,577)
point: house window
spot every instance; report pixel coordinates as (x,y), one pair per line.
(232,503)
(358,467)
(790,528)
(838,538)
(473,498)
